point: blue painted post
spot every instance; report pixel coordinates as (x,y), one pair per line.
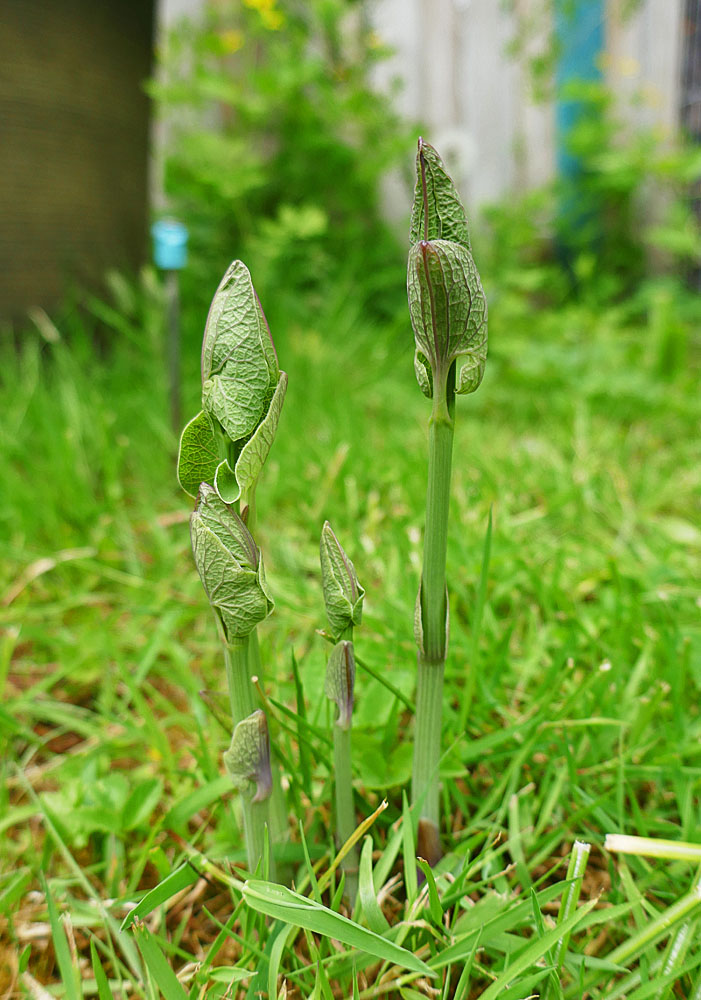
(170,255)
(579,30)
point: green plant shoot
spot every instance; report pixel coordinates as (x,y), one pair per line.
(222,452)
(343,598)
(448,313)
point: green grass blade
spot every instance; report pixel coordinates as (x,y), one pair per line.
(476,627)
(63,953)
(180,879)
(534,952)
(434,903)
(409,852)
(157,965)
(101,981)
(570,898)
(368,897)
(283,904)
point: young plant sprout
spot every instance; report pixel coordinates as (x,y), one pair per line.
(343,598)
(448,313)
(222,452)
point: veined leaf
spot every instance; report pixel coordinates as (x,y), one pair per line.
(198,455)
(436,192)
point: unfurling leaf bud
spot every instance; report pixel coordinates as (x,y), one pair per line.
(239,364)
(343,595)
(243,390)
(229,564)
(340,681)
(448,312)
(248,757)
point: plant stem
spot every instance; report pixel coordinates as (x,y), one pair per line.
(278,810)
(434,612)
(345,810)
(343,789)
(242,700)
(238,677)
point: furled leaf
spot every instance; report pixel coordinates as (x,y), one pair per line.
(340,681)
(447,305)
(424,376)
(248,757)
(255,451)
(436,192)
(225,483)
(343,595)
(198,454)
(239,365)
(229,565)
(472,371)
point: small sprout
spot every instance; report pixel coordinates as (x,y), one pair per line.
(248,758)
(340,681)
(229,564)
(343,595)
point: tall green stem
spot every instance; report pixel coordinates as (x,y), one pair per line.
(278,809)
(434,612)
(242,701)
(343,788)
(345,810)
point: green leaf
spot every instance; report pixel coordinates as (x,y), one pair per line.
(239,365)
(434,903)
(343,595)
(534,952)
(340,681)
(165,978)
(60,941)
(436,191)
(409,851)
(185,808)
(448,309)
(229,565)
(141,803)
(283,904)
(101,980)
(225,483)
(198,455)
(376,919)
(471,373)
(178,880)
(424,375)
(254,452)
(248,757)
(224,974)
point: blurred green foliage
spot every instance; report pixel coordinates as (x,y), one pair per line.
(611,235)
(276,146)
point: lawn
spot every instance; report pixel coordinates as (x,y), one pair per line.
(572,678)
